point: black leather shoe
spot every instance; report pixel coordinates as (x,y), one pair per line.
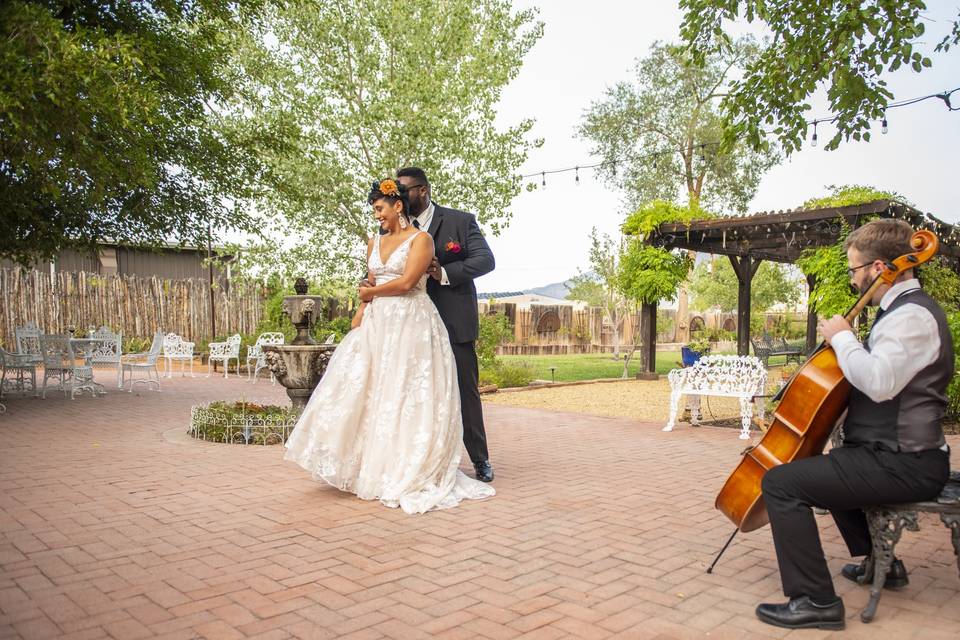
(803,613)
(896,577)
(484,471)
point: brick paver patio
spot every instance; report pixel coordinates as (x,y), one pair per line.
(115,525)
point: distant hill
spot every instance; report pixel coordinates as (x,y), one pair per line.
(555,290)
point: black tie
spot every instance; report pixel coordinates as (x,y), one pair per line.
(416,223)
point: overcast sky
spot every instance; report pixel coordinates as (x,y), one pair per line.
(589,46)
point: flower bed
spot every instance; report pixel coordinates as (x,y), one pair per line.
(242,423)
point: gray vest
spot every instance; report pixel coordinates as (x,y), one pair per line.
(911,421)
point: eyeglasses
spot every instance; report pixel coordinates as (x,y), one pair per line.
(851,270)
(414,186)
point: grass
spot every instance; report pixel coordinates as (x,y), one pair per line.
(590,366)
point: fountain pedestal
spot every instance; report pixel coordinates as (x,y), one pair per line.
(300,365)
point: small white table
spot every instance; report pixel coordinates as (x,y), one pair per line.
(83,376)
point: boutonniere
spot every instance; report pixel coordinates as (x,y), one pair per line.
(452,246)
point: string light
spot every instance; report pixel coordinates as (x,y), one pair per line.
(653,156)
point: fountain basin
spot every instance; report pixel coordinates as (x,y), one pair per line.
(298,368)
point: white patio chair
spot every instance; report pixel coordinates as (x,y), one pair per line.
(255,354)
(224,352)
(60,361)
(107,350)
(176,348)
(27,338)
(145,362)
(21,365)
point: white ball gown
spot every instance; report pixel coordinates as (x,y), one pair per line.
(384,422)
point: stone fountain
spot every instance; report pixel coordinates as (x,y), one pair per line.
(300,365)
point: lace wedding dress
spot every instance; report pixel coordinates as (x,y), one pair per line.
(384,422)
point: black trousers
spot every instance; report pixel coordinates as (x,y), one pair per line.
(845,480)
(468,375)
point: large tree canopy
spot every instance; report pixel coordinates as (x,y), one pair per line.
(848,47)
(671,109)
(379,85)
(124,121)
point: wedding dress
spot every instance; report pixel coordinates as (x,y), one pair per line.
(384,422)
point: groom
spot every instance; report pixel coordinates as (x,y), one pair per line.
(461,256)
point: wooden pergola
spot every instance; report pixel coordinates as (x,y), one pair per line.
(780,237)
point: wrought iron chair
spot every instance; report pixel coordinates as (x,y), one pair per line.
(255,354)
(176,348)
(145,362)
(107,350)
(224,352)
(21,365)
(27,338)
(60,361)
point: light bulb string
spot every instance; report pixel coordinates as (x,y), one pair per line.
(943,95)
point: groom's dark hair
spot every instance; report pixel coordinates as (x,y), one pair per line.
(416,173)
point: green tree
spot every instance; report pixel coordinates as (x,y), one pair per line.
(714,284)
(846,47)
(126,121)
(378,85)
(671,110)
(602,285)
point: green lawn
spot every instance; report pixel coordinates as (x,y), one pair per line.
(590,366)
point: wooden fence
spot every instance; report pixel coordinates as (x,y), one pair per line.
(133,305)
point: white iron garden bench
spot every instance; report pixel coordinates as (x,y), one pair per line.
(742,377)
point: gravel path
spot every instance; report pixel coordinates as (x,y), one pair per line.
(642,400)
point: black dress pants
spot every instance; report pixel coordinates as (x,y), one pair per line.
(468,375)
(845,480)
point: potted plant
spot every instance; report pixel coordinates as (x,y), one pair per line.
(693,350)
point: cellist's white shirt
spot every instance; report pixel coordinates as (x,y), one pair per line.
(902,343)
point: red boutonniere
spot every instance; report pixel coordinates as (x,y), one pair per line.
(453,246)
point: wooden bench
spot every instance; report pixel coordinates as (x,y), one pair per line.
(742,377)
(765,346)
(887,523)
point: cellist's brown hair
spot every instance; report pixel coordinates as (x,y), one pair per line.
(883,239)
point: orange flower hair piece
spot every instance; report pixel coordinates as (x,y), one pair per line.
(389,188)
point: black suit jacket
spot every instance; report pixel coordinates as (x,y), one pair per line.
(457,302)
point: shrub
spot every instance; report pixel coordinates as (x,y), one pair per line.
(495,329)
(242,422)
(507,375)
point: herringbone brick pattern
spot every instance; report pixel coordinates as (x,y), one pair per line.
(114,525)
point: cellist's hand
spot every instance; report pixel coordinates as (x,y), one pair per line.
(833,326)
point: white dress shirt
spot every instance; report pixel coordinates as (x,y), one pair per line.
(423,221)
(902,343)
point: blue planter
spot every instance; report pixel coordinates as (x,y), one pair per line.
(688,356)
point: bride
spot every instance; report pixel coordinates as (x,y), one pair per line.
(384,422)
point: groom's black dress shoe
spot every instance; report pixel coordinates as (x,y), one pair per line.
(803,613)
(896,576)
(484,471)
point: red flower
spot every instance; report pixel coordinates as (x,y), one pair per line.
(453,246)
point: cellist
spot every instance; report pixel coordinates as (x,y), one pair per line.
(893,446)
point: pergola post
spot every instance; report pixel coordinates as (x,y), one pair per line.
(745,267)
(811,316)
(648,337)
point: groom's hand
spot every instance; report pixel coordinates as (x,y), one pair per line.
(366,293)
(434,269)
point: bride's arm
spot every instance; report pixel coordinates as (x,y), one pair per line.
(358,316)
(421,253)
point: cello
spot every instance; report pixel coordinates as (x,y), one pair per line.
(811,404)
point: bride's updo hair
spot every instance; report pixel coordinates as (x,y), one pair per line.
(391,191)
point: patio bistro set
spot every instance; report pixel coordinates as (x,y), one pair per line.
(70,360)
